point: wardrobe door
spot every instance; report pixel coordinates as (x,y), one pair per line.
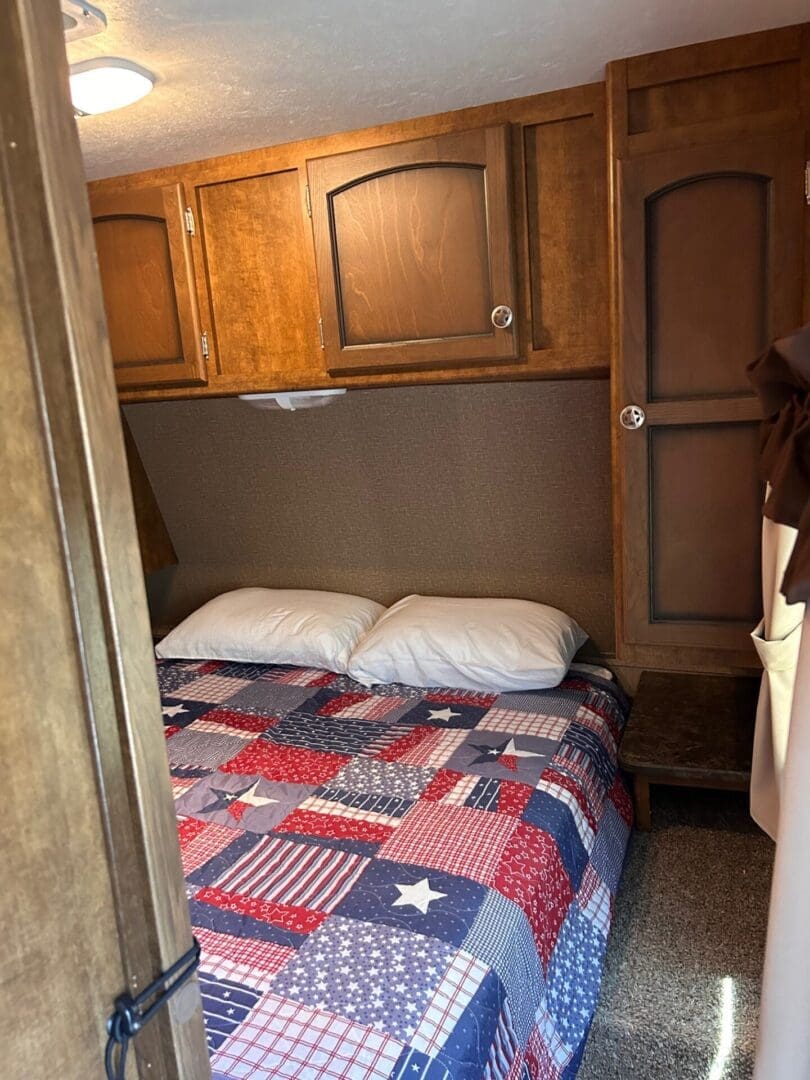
(710,271)
(144,257)
(414,253)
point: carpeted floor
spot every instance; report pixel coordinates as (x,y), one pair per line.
(680,993)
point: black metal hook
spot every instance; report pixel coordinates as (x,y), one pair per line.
(129,1014)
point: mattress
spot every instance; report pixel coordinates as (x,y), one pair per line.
(395,883)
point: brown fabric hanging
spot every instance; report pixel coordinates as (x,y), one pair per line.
(781,377)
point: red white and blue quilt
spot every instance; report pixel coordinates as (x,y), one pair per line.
(395,883)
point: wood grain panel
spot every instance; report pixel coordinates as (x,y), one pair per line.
(566,198)
(493,489)
(147,279)
(136,276)
(719,96)
(412,256)
(713,229)
(37,635)
(705,524)
(391,262)
(264,316)
(710,92)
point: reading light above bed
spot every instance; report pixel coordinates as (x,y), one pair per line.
(300,399)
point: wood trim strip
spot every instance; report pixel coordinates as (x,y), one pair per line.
(676,138)
(552,363)
(174,201)
(616,87)
(713,57)
(704,411)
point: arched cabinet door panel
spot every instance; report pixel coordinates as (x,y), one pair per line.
(144,257)
(710,271)
(414,253)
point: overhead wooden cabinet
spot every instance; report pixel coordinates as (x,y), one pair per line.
(460,247)
(711,271)
(414,253)
(252,268)
(144,255)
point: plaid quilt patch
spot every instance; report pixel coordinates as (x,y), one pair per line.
(281,1039)
(458,839)
(395,883)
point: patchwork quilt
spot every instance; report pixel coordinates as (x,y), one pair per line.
(395,883)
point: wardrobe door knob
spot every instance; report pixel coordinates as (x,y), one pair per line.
(501,317)
(632,417)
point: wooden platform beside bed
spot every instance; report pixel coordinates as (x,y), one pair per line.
(689,731)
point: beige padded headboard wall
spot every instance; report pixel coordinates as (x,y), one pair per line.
(488,489)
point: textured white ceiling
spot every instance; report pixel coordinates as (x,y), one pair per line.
(238,74)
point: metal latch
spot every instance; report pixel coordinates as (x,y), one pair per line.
(131,1013)
(204,343)
(189,219)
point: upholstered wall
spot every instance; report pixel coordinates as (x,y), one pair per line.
(489,489)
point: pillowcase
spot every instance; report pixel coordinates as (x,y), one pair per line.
(274,626)
(474,644)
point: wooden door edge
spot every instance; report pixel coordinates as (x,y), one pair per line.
(44,176)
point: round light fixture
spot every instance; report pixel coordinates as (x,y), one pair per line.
(107,83)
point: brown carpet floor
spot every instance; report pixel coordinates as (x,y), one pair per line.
(680,994)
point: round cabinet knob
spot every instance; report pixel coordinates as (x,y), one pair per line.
(632,417)
(501,317)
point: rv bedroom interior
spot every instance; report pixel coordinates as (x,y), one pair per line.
(405,518)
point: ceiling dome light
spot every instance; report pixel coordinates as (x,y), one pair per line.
(106,83)
(81,20)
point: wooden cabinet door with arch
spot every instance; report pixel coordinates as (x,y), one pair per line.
(415,254)
(709,272)
(143,244)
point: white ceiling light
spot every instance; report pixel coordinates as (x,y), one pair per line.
(106,83)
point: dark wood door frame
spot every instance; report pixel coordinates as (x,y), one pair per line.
(64,415)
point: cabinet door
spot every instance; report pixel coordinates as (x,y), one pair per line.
(254,268)
(710,271)
(414,250)
(144,257)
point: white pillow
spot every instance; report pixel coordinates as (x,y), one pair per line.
(274,626)
(473,644)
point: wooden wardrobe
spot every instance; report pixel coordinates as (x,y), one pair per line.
(709,206)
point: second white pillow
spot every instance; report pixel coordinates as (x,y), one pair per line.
(474,644)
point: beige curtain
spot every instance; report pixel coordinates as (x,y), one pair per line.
(781,768)
(784,1032)
(777,642)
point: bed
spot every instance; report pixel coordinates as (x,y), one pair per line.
(395,883)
